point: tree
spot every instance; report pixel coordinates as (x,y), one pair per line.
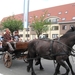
(40,25)
(12,23)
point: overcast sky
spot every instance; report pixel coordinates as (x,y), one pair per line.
(10,7)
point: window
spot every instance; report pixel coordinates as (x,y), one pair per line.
(66,12)
(57,19)
(71,26)
(21,35)
(73,18)
(54,21)
(27,35)
(48,14)
(64,27)
(27,29)
(54,36)
(59,13)
(49,20)
(54,27)
(63,18)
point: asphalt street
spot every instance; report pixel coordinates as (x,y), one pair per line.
(19,68)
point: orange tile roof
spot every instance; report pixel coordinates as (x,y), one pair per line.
(67,11)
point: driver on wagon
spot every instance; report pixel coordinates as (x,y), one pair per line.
(8,38)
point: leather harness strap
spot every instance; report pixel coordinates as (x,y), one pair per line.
(51,46)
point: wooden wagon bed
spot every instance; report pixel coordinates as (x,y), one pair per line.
(21,45)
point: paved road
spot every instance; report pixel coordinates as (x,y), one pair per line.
(19,68)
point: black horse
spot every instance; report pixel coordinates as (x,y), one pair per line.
(52,50)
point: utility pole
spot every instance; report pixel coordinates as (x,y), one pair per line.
(25,23)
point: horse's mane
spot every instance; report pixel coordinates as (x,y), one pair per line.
(68,35)
(71,30)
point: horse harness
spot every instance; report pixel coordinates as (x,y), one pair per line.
(52,54)
(51,47)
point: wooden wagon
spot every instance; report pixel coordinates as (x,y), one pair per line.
(20,52)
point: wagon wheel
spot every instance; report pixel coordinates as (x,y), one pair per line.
(7,59)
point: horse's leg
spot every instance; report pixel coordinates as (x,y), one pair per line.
(31,66)
(62,63)
(57,69)
(68,62)
(41,67)
(38,62)
(29,62)
(65,66)
(32,70)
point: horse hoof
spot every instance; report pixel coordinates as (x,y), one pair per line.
(37,63)
(28,68)
(58,72)
(41,68)
(33,73)
(73,73)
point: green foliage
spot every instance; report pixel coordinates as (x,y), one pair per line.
(40,25)
(12,24)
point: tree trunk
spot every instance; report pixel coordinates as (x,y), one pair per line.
(38,36)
